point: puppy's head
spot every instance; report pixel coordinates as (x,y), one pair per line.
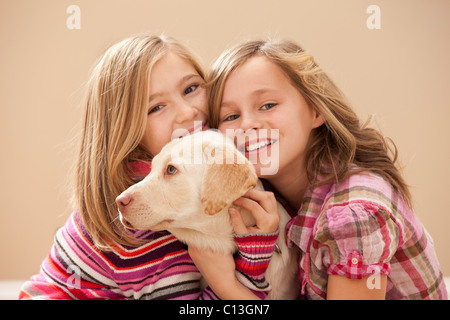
(192,179)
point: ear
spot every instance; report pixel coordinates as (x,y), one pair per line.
(318,120)
(226,181)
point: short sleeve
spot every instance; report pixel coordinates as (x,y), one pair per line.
(355,240)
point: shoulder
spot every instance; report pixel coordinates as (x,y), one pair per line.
(74,238)
(357,215)
(365,188)
(73,244)
(358,198)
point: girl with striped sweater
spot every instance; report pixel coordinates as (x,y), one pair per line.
(141,90)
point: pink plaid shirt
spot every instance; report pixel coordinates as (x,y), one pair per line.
(361,227)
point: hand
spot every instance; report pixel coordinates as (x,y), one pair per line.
(263,207)
(218,269)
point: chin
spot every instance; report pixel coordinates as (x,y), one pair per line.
(266,171)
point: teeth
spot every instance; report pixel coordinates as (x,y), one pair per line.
(257,145)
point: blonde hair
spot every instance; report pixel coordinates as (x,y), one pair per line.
(114,121)
(342,141)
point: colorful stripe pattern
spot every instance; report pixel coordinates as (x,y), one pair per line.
(362,227)
(253,258)
(160,269)
(76,269)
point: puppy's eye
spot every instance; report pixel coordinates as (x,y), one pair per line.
(171,170)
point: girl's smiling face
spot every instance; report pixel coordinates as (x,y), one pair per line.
(257,98)
(177,104)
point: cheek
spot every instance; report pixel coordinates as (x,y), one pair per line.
(201,101)
(155,137)
(300,120)
(306,124)
(227,130)
(295,131)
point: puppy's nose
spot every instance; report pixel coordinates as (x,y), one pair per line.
(123,201)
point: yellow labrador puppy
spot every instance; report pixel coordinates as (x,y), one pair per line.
(192,184)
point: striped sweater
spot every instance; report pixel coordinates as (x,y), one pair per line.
(160,269)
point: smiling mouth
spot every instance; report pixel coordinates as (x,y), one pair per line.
(254,146)
(258,145)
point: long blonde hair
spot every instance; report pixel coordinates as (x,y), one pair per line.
(342,141)
(115,113)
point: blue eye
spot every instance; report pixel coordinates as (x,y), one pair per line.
(155,108)
(190,89)
(231,118)
(268,106)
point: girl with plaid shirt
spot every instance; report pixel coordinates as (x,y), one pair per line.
(353,221)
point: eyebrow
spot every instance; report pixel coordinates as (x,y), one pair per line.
(261,91)
(184,79)
(256,92)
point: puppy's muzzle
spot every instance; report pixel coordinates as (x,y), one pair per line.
(124,203)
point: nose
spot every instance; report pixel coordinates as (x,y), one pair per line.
(249,122)
(185,112)
(123,202)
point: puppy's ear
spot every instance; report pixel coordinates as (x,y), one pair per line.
(227,180)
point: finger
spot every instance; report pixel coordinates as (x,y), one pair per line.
(265,199)
(254,207)
(266,221)
(237,222)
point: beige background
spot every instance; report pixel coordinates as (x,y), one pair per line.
(401,73)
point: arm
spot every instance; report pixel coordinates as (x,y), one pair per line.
(219,272)
(342,288)
(57,281)
(67,274)
(360,240)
